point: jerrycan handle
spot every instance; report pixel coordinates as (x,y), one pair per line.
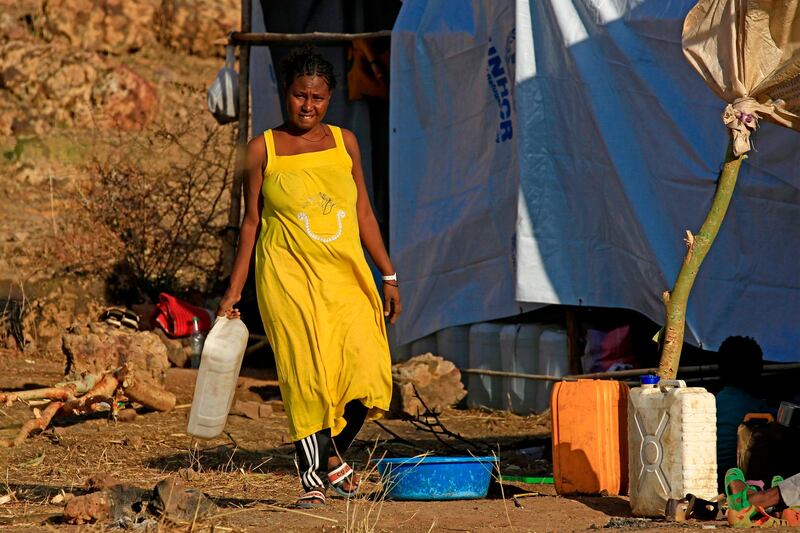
(668,383)
(759,416)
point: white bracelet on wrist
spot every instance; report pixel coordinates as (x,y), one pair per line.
(393,277)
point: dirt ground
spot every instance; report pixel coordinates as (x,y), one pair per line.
(249,471)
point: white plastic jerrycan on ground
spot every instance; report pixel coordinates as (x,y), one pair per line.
(426,344)
(672,444)
(553,361)
(519,352)
(216,379)
(484,354)
(453,344)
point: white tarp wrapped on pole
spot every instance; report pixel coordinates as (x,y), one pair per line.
(619,147)
(748,52)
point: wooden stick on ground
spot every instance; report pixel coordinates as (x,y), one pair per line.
(32,425)
(296,511)
(101,393)
(145,393)
(60,391)
(523,495)
(63,394)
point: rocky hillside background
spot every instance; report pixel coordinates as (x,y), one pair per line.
(113,175)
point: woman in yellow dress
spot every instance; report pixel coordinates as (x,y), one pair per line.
(307,216)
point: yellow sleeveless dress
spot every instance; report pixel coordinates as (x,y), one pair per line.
(317,297)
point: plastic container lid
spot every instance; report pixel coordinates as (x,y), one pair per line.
(649,379)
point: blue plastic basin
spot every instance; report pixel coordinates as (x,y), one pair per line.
(436,478)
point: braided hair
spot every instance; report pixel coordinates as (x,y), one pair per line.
(307,62)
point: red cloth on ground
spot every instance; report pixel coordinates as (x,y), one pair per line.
(175,316)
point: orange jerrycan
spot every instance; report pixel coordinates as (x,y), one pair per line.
(590,437)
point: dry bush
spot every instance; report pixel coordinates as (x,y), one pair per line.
(152,215)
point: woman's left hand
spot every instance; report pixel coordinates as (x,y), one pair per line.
(391,302)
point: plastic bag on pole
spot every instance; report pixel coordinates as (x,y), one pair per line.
(748,52)
(223,95)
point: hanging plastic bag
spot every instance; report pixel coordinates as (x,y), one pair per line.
(223,95)
(748,52)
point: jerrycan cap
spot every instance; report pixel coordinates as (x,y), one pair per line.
(649,379)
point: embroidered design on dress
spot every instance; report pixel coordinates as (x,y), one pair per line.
(303,217)
(321,200)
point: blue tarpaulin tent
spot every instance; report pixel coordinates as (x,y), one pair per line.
(556,151)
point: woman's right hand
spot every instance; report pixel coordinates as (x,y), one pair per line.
(226,306)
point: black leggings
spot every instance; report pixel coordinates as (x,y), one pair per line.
(313,451)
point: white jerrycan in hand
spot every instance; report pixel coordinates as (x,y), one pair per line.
(220,363)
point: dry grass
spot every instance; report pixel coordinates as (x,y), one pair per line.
(363,508)
(250,475)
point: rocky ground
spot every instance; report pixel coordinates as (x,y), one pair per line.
(83,81)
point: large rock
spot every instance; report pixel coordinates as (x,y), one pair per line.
(193,25)
(436,380)
(48,317)
(178,354)
(176,502)
(110,26)
(125,99)
(73,88)
(97,348)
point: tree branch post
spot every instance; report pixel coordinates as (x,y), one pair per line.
(697,246)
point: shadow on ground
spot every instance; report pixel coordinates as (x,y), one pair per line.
(230,457)
(226,458)
(609,505)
